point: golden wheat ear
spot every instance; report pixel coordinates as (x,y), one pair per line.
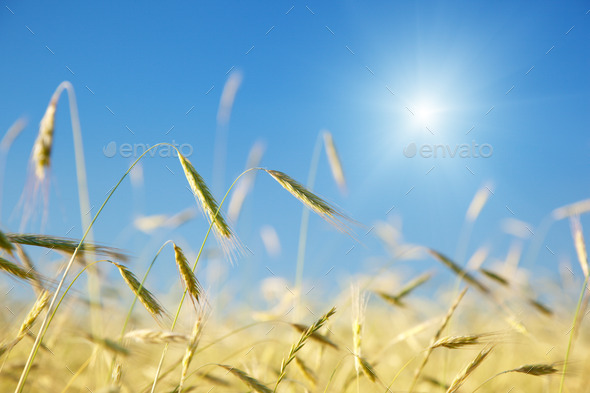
(44,143)
(316,204)
(334,161)
(459,271)
(210,208)
(191,349)
(468,370)
(248,380)
(40,304)
(145,297)
(189,279)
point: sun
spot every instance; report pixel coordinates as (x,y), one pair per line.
(425,113)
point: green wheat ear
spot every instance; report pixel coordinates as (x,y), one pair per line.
(64,245)
(6,244)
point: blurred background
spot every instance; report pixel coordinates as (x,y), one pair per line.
(429,104)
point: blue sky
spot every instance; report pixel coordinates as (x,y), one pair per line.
(379,75)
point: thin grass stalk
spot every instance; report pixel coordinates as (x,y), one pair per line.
(77,374)
(477,204)
(571,334)
(13,132)
(302,340)
(47,320)
(578,237)
(436,337)
(528,369)
(334,161)
(304,226)
(37,282)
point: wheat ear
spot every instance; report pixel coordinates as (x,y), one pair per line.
(470,368)
(188,277)
(302,340)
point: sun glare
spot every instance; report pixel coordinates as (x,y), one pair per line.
(424,113)
(427,113)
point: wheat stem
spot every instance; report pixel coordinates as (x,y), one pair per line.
(304,226)
(572,334)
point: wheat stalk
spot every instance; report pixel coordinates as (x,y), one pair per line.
(6,244)
(581,250)
(245,185)
(309,199)
(495,277)
(397,299)
(37,282)
(315,336)
(209,206)
(145,296)
(456,342)
(44,142)
(108,344)
(116,374)
(470,368)
(33,314)
(359,305)
(537,370)
(461,273)
(334,161)
(190,350)
(16,270)
(248,380)
(579,244)
(306,371)
(188,277)
(302,340)
(436,337)
(64,245)
(156,336)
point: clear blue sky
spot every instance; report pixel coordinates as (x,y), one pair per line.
(511,75)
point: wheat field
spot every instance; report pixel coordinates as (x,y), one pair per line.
(484,331)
